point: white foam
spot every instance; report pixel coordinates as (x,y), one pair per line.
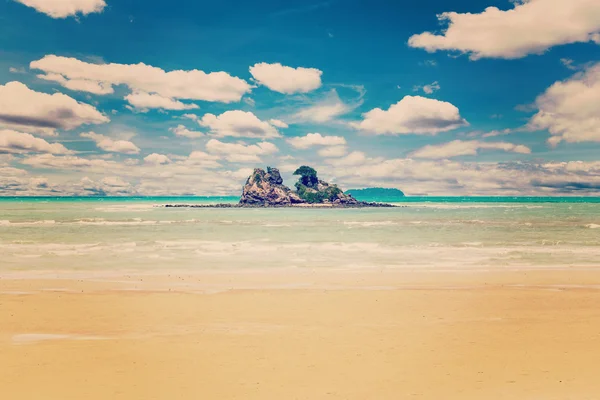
(369,223)
(98,222)
(453,206)
(28,223)
(276,225)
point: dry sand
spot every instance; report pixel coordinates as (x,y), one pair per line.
(302,335)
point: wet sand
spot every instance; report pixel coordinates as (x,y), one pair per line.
(301,335)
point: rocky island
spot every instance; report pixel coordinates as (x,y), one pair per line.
(266,189)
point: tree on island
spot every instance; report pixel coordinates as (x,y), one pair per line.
(308,176)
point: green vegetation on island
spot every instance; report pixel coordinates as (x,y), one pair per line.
(312,190)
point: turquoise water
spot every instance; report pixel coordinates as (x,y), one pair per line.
(138,234)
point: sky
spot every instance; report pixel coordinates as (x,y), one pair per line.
(435,97)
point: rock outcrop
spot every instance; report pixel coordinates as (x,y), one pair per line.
(267,189)
(315,191)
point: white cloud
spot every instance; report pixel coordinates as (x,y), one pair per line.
(238,124)
(107,186)
(237,152)
(568,63)
(353,159)
(193,117)
(327,109)
(287,80)
(457,148)
(145,101)
(173,85)
(17,70)
(333,151)
(25,109)
(278,124)
(65,8)
(67,162)
(198,174)
(429,89)
(86,176)
(316,139)
(412,114)
(531,27)
(448,177)
(79,85)
(181,130)
(157,159)
(569,109)
(202,159)
(19,142)
(114,146)
(501,132)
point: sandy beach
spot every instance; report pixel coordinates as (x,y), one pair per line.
(301,335)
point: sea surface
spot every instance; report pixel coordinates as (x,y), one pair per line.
(57,235)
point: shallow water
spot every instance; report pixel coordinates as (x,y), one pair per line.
(442,233)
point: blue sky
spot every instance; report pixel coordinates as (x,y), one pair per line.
(114,97)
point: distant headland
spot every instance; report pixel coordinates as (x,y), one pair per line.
(266,189)
(382,194)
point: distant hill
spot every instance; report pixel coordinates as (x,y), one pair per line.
(376,194)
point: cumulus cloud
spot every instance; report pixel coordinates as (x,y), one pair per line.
(238,124)
(457,148)
(198,174)
(193,175)
(18,142)
(114,146)
(65,8)
(202,159)
(240,153)
(108,186)
(71,163)
(157,159)
(412,114)
(333,151)
(145,80)
(450,177)
(79,85)
(316,139)
(287,80)
(569,109)
(145,101)
(531,27)
(25,109)
(181,130)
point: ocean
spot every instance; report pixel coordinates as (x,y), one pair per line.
(73,236)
